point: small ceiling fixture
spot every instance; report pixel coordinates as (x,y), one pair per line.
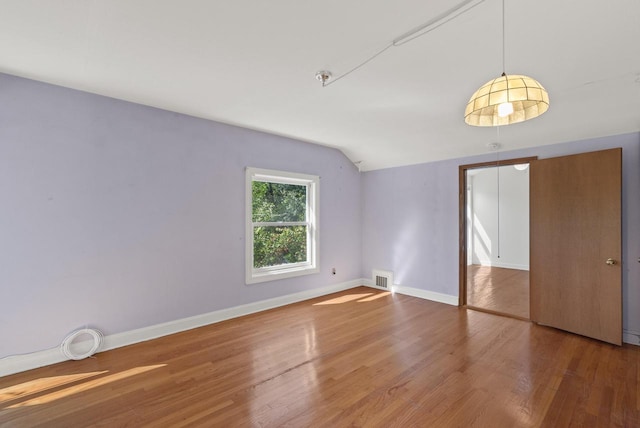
(324,76)
(494,147)
(507,99)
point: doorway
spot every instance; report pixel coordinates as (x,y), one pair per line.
(494,233)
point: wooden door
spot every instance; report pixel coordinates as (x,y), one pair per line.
(575,227)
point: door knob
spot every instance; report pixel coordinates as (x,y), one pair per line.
(610,261)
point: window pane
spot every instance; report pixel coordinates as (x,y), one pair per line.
(277,245)
(278,202)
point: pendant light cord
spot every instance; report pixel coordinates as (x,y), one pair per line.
(460,9)
(371,58)
(498,188)
(504,68)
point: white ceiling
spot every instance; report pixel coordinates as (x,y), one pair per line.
(252,63)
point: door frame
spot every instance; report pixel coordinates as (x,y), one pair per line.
(462,221)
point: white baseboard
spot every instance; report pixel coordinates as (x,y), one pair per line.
(502,265)
(428,295)
(368,282)
(511,266)
(631,337)
(416,292)
(19,363)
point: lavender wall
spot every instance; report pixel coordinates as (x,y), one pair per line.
(410,219)
(122,216)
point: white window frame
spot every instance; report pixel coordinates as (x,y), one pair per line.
(271,273)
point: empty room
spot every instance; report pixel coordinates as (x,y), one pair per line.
(266,214)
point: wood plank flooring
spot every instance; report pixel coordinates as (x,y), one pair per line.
(356,358)
(498,289)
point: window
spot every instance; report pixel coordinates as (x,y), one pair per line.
(282,224)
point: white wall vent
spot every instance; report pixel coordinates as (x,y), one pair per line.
(383,279)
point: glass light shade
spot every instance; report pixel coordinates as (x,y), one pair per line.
(528,98)
(521,166)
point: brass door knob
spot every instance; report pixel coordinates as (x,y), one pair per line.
(610,261)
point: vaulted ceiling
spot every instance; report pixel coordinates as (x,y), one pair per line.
(252,63)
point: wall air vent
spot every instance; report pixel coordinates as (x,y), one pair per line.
(382,279)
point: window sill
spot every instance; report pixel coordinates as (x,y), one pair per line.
(256,277)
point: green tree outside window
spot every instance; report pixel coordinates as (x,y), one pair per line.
(284,242)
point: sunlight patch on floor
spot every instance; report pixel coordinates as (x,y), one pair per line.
(74,389)
(43,384)
(343,299)
(376,296)
(362,297)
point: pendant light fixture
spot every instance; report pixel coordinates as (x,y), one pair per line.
(507,99)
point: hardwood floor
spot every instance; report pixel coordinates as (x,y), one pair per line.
(356,358)
(498,289)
